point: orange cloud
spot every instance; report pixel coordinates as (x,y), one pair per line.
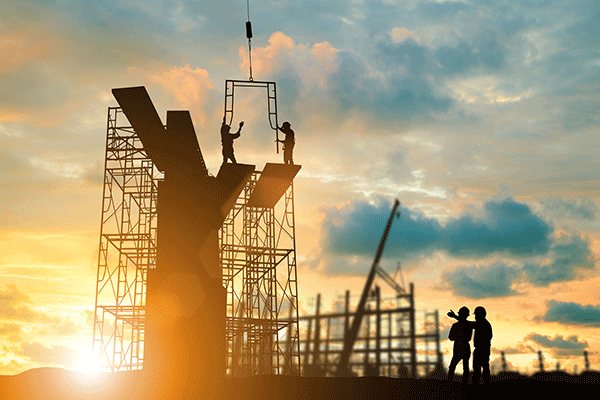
(38,117)
(190,87)
(15,49)
(265,59)
(311,65)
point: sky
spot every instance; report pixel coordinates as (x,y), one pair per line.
(481,117)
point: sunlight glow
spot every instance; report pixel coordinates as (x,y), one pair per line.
(88,363)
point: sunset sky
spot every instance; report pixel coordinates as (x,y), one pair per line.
(481,117)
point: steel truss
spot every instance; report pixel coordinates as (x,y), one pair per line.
(127,247)
(258,255)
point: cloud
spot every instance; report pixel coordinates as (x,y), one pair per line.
(399,35)
(569,313)
(347,82)
(12,308)
(65,327)
(393,85)
(61,168)
(12,331)
(12,367)
(559,345)
(441,9)
(505,227)
(567,257)
(267,59)
(520,348)
(16,49)
(462,59)
(482,282)
(582,208)
(192,88)
(31,88)
(570,255)
(54,355)
(502,229)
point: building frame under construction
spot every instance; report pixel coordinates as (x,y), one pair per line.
(388,344)
(257,252)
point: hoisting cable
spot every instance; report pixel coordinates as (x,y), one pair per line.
(249,36)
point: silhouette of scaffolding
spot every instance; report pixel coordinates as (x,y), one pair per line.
(127,247)
(389,343)
(258,255)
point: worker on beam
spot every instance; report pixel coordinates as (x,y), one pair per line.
(227,141)
(288,142)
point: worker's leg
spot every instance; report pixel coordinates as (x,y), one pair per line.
(452,367)
(485,364)
(476,366)
(465,377)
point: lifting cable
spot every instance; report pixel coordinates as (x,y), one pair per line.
(249,36)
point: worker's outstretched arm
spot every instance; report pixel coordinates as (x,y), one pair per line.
(239,131)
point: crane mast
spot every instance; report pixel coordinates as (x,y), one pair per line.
(350,337)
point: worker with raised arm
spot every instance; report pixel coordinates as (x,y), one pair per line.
(288,142)
(227,141)
(460,333)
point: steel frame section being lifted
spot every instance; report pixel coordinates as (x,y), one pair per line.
(258,255)
(270,87)
(127,247)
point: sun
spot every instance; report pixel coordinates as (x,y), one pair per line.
(88,363)
(88,373)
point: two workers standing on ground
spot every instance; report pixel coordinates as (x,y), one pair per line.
(227,139)
(461,333)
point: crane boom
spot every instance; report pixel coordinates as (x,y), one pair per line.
(390,281)
(350,336)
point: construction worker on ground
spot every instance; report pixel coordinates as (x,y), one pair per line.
(227,141)
(288,142)
(460,333)
(483,343)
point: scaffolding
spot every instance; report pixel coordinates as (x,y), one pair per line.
(389,342)
(258,255)
(257,248)
(127,247)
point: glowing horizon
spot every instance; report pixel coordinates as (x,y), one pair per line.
(480,118)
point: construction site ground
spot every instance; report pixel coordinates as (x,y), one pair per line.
(54,383)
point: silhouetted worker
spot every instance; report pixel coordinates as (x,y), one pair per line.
(460,333)
(482,343)
(288,142)
(227,141)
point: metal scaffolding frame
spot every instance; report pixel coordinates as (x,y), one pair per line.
(127,247)
(389,342)
(257,252)
(258,255)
